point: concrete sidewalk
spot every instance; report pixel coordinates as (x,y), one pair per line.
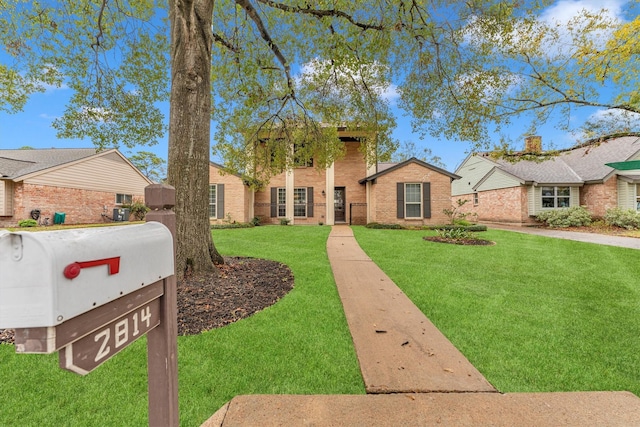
(413,374)
(399,349)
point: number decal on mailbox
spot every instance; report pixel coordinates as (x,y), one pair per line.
(94,349)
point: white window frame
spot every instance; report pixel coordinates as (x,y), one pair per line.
(213,200)
(554,197)
(300,202)
(281,202)
(124,199)
(408,203)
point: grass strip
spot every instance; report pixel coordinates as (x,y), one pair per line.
(301,345)
(531,313)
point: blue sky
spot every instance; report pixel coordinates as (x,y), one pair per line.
(32,126)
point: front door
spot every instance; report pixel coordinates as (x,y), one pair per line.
(339,204)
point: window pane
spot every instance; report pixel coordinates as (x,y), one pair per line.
(212,200)
(547,202)
(564,191)
(299,202)
(413,211)
(563,202)
(412,193)
(282,200)
(547,191)
(299,195)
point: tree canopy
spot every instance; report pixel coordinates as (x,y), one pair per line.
(540,67)
(288,73)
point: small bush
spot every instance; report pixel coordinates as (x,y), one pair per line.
(284,221)
(628,218)
(255,221)
(27,223)
(576,216)
(137,209)
(456,233)
(377,225)
(232,225)
(452,227)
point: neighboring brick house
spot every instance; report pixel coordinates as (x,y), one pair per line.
(411,192)
(514,192)
(84,185)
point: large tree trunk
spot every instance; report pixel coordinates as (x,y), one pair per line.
(189,132)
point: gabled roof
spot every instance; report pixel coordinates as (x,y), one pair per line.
(397,166)
(224,169)
(15,164)
(586,163)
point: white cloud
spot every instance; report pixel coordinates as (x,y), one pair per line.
(563,11)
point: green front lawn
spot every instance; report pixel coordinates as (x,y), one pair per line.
(531,313)
(301,345)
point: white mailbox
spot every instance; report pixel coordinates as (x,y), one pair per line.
(49,277)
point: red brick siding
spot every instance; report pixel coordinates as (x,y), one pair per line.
(79,206)
(384,202)
(501,205)
(236,196)
(263,200)
(597,198)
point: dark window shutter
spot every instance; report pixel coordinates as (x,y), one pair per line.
(274,202)
(220,201)
(310,202)
(426,199)
(400,199)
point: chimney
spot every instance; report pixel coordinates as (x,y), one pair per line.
(533,144)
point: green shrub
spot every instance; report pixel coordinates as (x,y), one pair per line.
(137,209)
(377,225)
(255,221)
(27,223)
(475,227)
(628,218)
(284,221)
(231,225)
(456,233)
(567,217)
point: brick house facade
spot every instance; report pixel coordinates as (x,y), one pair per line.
(348,191)
(83,185)
(505,191)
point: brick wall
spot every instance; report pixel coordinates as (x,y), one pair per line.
(236,196)
(79,206)
(347,172)
(384,193)
(507,205)
(597,198)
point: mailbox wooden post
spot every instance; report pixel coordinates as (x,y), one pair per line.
(162,351)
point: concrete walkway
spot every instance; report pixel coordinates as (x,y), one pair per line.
(413,375)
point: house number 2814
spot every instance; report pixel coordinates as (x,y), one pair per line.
(124,331)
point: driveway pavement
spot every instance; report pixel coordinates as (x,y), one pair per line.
(601,239)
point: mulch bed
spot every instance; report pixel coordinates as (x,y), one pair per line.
(465,242)
(238,289)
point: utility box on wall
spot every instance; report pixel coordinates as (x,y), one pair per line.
(48,277)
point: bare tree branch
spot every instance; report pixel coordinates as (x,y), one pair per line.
(321,13)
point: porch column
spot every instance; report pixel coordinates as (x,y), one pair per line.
(289,196)
(330,183)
